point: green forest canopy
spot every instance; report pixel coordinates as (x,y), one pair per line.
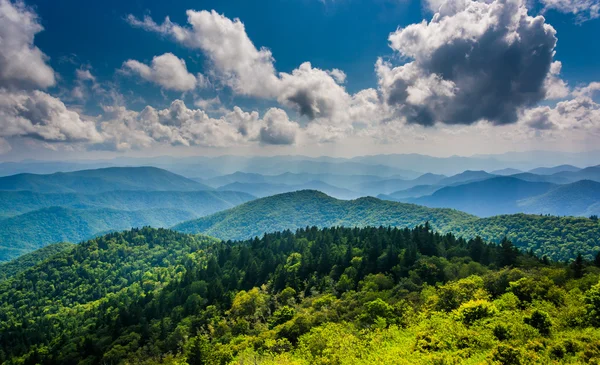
(314,296)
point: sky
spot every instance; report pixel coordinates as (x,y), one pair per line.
(81,79)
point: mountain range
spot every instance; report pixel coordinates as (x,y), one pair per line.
(101,180)
(37,209)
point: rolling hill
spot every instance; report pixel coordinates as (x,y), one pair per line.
(266,189)
(22,263)
(101,180)
(198,203)
(554,170)
(41,219)
(29,231)
(312,208)
(414,192)
(589,173)
(313,296)
(557,237)
(485,198)
(390,185)
(580,198)
(464,177)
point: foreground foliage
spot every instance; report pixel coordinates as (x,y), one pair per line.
(316,296)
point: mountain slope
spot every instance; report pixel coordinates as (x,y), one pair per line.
(506,172)
(331,296)
(489,197)
(554,170)
(577,199)
(311,208)
(557,237)
(27,232)
(414,192)
(589,173)
(101,180)
(266,189)
(464,177)
(554,179)
(197,202)
(388,186)
(22,263)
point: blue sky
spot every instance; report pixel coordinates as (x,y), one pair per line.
(315,111)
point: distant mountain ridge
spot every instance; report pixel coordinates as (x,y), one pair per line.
(197,202)
(498,195)
(101,180)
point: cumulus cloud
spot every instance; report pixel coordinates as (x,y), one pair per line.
(583,10)
(125,129)
(250,71)
(278,129)
(168,71)
(588,90)
(22,64)
(84,79)
(577,114)
(473,61)
(556,88)
(41,116)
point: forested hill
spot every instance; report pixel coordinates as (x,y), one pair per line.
(560,238)
(197,202)
(312,208)
(30,231)
(32,220)
(337,295)
(22,263)
(100,180)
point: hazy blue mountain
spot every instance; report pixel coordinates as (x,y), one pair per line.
(22,263)
(198,203)
(581,198)
(391,185)
(506,172)
(414,192)
(313,208)
(531,177)
(27,232)
(485,198)
(266,189)
(588,173)
(554,170)
(101,180)
(466,176)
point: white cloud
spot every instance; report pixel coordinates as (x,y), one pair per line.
(22,64)
(473,61)
(125,129)
(583,10)
(167,71)
(588,90)
(40,116)
(278,129)
(556,88)
(247,70)
(338,75)
(250,71)
(83,79)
